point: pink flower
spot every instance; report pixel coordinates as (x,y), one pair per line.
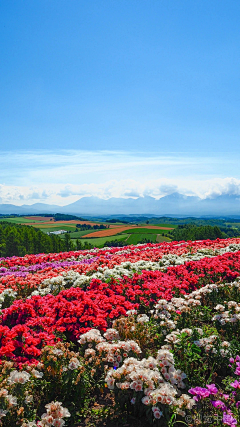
(199,393)
(219,404)
(235,384)
(229,420)
(212,388)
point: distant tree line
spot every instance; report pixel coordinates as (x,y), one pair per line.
(145,240)
(113,221)
(61,217)
(193,232)
(20,240)
(65,217)
(83,227)
(228,231)
(82,245)
(120,243)
(115,243)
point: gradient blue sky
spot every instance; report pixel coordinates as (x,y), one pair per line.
(118,97)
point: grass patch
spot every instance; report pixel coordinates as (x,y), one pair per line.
(18,220)
(160,239)
(99,242)
(56,224)
(166,225)
(56,228)
(134,239)
(79,234)
(145,231)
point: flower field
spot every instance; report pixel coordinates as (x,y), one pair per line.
(137,336)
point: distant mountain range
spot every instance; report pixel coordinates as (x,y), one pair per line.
(173,204)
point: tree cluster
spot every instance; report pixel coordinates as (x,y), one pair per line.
(20,240)
(66,217)
(83,245)
(113,221)
(115,243)
(83,227)
(193,232)
(145,240)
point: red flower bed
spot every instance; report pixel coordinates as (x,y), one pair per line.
(102,257)
(44,319)
(147,252)
(28,325)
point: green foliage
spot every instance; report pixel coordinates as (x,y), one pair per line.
(114,221)
(100,242)
(78,234)
(134,239)
(193,232)
(61,376)
(68,242)
(83,227)
(145,240)
(83,245)
(115,243)
(65,217)
(145,231)
(19,240)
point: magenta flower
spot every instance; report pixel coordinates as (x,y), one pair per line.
(219,404)
(199,393)
(229,420)
(212,388)
(237,372)
(225,396)
(235,384)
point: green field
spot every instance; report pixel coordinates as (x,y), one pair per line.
(131,236)
(57,224)
(161,224)
(134,239)
(55,228)
(99,242)
(234,225)
(161,239)
(79,234)
(145,231)
(130,239)
(166,225)
(18,220)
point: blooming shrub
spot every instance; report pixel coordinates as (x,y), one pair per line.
(222,403)
(153,324)
(60,375)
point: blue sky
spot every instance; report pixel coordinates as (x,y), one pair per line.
(118,97)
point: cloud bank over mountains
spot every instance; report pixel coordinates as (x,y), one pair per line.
(65,194)
(63,177)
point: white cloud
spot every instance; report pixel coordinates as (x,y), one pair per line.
(65,194)
(63,177)
(227,186)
